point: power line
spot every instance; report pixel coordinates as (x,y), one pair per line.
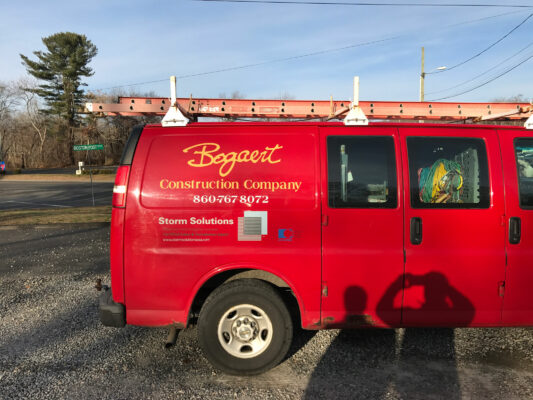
(132,84)
(486,82)
(483,73)
(359,4)
(485,50)
(261,63)
(485,18)
(234,68)
(292,57)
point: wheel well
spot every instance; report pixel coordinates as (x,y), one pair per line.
(277,283)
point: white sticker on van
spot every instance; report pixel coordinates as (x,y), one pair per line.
(350,176)
(252,226)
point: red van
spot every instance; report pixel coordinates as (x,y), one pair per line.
(249,228)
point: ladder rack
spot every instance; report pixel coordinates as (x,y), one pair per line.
(313,109)
(358,111)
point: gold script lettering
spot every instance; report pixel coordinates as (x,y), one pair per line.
(209,154)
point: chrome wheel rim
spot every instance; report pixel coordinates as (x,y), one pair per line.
(245,331)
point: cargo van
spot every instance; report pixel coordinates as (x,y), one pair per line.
(249,229)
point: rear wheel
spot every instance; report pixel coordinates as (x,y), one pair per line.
(244,327)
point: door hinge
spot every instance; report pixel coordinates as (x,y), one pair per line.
(324,290)
(501,288)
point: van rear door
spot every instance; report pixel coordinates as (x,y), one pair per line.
(517,156)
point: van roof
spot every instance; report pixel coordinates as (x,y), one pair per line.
(339,124)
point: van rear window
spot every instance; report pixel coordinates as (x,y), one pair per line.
(524,163)
(361,172)
(448,172)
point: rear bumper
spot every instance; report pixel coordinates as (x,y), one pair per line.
(111,313)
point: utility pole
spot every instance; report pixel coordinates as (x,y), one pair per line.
(422,76)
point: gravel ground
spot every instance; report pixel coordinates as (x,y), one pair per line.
(53,347)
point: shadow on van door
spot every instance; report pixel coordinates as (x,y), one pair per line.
(437,303)
(408,363)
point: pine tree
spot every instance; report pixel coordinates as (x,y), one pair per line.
(61,68)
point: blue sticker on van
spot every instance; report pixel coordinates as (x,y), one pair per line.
(285,235)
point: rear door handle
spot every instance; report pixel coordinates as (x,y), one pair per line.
(416,230)
(515,230)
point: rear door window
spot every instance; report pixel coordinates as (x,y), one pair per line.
(448,172)
(524,163)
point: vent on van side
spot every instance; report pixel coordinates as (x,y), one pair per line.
(252,225)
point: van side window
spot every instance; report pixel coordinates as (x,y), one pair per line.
(524,163)
(361,172)
(448,172)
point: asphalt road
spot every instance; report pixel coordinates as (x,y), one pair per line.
(68,170)
(52,345)
(36,194)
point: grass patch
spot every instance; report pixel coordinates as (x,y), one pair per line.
(74,215)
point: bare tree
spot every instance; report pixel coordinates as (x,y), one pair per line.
(37,119)
(114,131)
(8,102)
(519,98)
(234,95)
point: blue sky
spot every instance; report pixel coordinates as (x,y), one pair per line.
(141,41)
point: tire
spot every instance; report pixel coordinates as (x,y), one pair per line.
(244,327)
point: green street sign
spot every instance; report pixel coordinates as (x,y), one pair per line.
(82,147)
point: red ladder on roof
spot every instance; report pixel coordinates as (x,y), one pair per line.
(313,109)
(192,108)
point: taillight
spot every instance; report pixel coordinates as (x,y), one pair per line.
(121,185)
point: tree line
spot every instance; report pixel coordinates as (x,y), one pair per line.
(40,119)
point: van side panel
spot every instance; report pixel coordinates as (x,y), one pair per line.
(208,198)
